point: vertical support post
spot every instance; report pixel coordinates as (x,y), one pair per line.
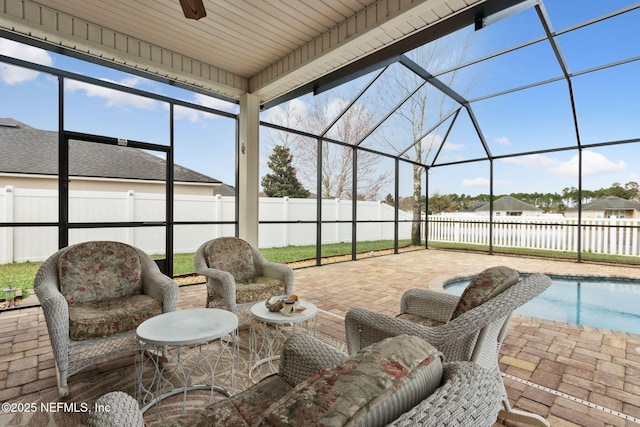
(63,173)
(319,204)
(354,205)
(396,209)
(249,167)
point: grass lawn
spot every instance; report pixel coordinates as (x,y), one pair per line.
(21,275)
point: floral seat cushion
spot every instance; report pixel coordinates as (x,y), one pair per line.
(96,271)
(485,286)
(97,319)
(371,387)
(424,321)
(258,288)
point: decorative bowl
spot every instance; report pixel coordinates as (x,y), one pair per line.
(274,304)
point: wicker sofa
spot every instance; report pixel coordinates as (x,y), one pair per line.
(399,381)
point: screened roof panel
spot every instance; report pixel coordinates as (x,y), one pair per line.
(518,68)
(433,141)
(467,45)
(315,114)
(380,97)
(398,133)
(538,118)
(607,104)
(601,43)
(567,13)
(462,143)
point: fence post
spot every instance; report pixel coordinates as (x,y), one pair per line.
(218,211)
(337,219)
(285,217)
(380,231)
(613,241)
(8,232)
(131,216)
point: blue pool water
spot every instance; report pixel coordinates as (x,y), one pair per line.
(600,302)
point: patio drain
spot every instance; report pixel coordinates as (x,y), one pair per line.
(573,398)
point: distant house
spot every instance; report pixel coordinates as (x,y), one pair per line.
(508,206)
(29,159)
(607,207)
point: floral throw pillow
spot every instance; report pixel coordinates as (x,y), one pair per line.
(361,385)
(485,286)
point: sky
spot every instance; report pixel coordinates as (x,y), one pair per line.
(537,118)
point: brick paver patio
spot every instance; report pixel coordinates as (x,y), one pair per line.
(571,375)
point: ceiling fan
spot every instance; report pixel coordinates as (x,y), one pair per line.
(193,9)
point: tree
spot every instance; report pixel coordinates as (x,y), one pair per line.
(283,182)
(634,187)
(439,203)
(389,200)
(426,106)
(337,159)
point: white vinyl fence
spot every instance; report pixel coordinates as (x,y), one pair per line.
(614,236)
(20,244)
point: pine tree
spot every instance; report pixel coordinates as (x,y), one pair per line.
(283,181)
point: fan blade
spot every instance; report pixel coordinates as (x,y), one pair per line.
(193,9)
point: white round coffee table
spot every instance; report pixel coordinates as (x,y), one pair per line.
(268,329)
(197,326)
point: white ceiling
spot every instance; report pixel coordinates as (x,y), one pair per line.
(264,47)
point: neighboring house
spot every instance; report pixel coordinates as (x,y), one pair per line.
(508,206)
(607,207)
(29,159)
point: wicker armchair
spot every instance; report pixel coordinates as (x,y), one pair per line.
(93,296)
(238,275)
(474,334)
(465,394)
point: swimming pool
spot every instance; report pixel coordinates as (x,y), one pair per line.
(600,302)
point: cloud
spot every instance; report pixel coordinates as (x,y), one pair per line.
(592,164)
(114,98)
(295,110)
(503,140)
(215,103)
(482,182)
(10,74)
(475,182)
(189,114)
(534,161)
(450,146)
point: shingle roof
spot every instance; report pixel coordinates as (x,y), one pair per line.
(224,190)
(508,203)
(608,203)
(28,150)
